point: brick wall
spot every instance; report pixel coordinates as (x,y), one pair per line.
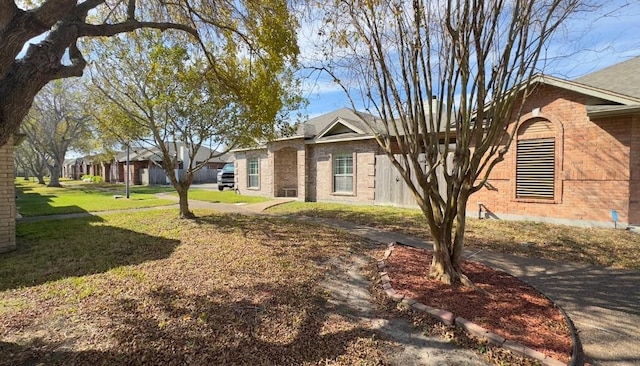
(320,171)
(592,170)
(634,162)
(7,199)
(289,169)
(313,166)
(264,171)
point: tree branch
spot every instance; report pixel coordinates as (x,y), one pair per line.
(131,10)
(108,30)
(51,11)
(83,9)
(8,10)
(77,66)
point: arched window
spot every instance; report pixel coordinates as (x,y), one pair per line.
(536,160)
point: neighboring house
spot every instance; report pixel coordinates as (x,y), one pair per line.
(87,165)
(330,158)
(574,159)
(73,168)
(144,165)
(576,153)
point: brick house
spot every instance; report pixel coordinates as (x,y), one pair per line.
(575,156)
(144,162)
(330,158)
(7,196)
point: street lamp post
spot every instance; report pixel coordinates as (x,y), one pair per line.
(127,180)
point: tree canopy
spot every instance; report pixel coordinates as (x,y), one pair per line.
(262,30)
(169,99)
(58,121)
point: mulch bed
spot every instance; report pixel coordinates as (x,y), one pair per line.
(507,306)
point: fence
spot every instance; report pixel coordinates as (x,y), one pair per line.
(158,177)
(391,189)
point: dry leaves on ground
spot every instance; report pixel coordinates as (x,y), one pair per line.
(228,290)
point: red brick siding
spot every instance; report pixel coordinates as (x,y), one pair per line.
(634,166)
(593,169)
(286,173)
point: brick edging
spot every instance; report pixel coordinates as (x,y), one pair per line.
(469,327)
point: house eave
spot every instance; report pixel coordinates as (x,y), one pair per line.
(613,111)
(261,147)
(314,142)
(586,89)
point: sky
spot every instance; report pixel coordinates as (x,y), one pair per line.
(588,42)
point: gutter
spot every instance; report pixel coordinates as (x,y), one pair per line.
(613,111)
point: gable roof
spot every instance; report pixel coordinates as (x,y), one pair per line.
(320,125)
(622,78)
(603,94)
(340,126)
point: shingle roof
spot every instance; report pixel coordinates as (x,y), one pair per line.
(360,120)
(623,78)
(314,126)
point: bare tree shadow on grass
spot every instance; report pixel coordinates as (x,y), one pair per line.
(52,250)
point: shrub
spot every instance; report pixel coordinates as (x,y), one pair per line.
(91,178)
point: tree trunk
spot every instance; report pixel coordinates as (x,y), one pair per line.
(55,176)
(184,204)
(443,266)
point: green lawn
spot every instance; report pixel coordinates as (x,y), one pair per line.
(150,288)
(74,197)
(606,247)
(78,196)
(223,197)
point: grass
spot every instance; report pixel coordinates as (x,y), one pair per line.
(149,288)
(74,197)
(78,196)
(605,247)
(223,197)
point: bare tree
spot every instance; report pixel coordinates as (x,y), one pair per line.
(475,58)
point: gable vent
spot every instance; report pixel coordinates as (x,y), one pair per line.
(535,171)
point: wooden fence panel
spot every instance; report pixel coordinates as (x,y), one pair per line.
(391,188)
(157,176)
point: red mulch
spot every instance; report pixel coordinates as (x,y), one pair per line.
(512,309)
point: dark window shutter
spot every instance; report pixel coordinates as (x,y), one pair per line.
(535,169)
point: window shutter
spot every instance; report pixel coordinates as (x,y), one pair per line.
(535,172)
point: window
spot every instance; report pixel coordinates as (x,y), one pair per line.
(253,174)
(536,161)
(343,174)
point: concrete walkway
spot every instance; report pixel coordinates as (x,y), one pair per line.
(603,303)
